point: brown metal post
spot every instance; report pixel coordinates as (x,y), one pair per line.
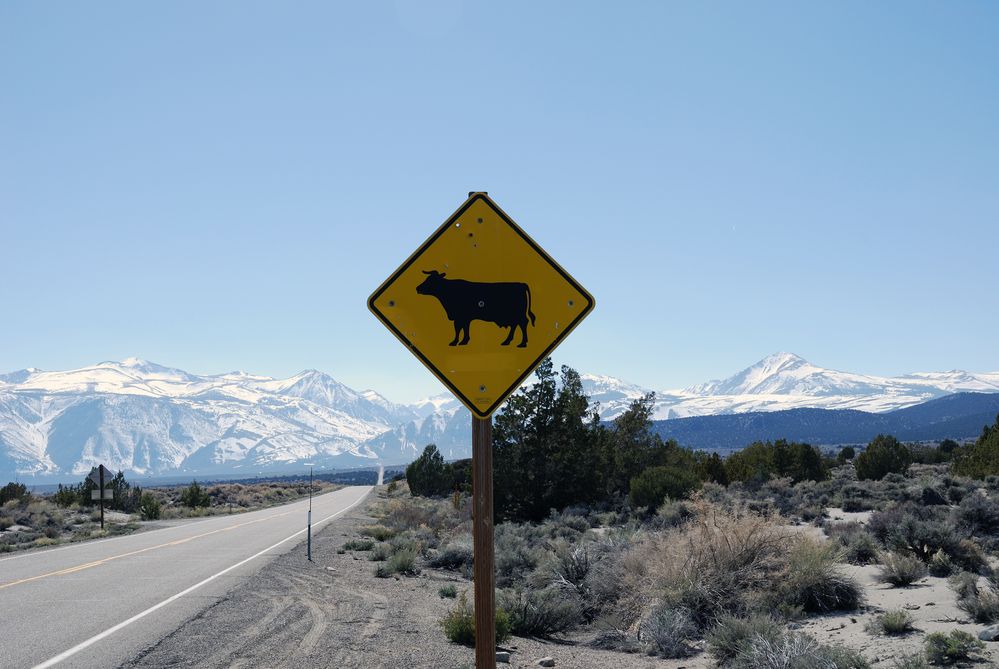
(482,537)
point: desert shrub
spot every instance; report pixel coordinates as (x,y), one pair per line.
(982,604)
(979,513)
(884,455)
(859,547)
(377,532)
(401,562)
(964,583)
(941,564)
(359,545)
(571,563)
(565,526)
(666,632)
(911,661)
(815,582)
(657,484)
(602,586)
(454,556)
(448,591)
(672,513)
(459,623)
(5,522)
(541,613)
(922,531)
(796,651)
(515,557)
(420,539)
(957,646)
(380,552)
(901,569)
(149,506)
(732,636)
(721,562)
(891,623)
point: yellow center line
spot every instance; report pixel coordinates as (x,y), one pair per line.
(97,563)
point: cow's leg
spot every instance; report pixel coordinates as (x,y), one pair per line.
(466,325)
(457,331)
(509,337)
(523,330)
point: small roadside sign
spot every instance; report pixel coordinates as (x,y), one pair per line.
(96,494)
(98,473)
(481,304)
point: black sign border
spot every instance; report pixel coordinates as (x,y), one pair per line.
(529,369)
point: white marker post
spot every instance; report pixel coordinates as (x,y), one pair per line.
(309,527)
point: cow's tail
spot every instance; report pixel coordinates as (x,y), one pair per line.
(529,312)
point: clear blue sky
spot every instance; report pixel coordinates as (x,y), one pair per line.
(220,185)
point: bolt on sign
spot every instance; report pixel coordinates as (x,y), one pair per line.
(480,304)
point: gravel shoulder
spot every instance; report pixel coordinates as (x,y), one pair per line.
(334,612)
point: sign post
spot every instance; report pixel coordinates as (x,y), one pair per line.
(477,272)
(483,568)
(100,494)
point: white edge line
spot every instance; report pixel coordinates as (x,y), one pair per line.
(66,654)
(186,522)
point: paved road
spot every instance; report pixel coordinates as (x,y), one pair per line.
(97,604)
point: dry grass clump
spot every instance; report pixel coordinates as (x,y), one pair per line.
(722,561)
(796,651)
(901,569)
(541,613)
(814,580)
(891,623)
(981,603)
(667,632)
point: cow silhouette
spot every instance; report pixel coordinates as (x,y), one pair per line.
(508,305)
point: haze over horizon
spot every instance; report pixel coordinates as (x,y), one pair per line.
(820,176)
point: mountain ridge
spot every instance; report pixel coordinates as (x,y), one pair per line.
(149,418)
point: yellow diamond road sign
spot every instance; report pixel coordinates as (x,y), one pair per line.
(480,304)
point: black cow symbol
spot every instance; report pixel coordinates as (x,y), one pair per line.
(508,305)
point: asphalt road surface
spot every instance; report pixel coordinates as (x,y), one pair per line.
(97,604)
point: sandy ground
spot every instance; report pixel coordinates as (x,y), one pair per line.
(931,602)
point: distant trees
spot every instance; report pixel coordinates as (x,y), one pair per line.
(429,475)
(149,506)
(125,497)
(762,460)
(657,484)
(846,454)
(195,496)
(13,491)
(980,459)
(549,450)
(884,455)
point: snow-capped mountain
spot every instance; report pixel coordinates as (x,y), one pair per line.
(150,419)
(787,381)
(146,418)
